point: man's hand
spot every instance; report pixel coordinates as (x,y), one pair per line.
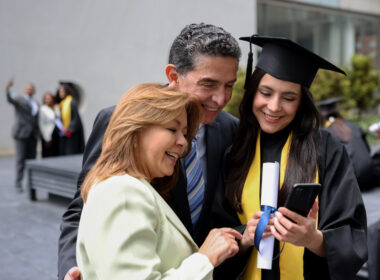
(73,274)
(9,85)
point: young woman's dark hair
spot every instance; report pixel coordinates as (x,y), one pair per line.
(302,162)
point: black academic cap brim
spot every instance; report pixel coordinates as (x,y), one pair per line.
(286,60)
(66,83)
(328,104)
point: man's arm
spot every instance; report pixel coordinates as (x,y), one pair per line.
(71,218)
(8,93)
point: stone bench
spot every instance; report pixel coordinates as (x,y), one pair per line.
(54,175)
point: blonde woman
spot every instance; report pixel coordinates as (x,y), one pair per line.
(127,230)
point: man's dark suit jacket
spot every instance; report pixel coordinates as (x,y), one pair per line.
(25,124)
(219,135)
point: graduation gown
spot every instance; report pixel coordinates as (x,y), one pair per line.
(359,152)
(374,251)
(75,143)
(341,218)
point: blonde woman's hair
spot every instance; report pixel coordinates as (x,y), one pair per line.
(140,107)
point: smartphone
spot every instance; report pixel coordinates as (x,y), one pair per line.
(302,197)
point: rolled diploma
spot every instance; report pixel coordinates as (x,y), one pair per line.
(269,192)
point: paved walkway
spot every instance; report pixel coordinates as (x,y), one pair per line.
(29,231)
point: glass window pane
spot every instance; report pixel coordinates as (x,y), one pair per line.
(335,36)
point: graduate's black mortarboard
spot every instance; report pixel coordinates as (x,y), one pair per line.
(75,89)
(286,60)
(70,85)
(328,104)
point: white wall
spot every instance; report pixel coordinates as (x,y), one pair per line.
(105,46)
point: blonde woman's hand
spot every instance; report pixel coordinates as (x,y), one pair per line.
(220,244)
(298,230)
(73,274)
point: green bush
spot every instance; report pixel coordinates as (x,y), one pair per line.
(363,83)
(329,84)
(237,94)
(358,89)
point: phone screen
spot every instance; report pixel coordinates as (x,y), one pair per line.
(302,197)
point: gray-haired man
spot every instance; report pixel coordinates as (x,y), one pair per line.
(203,62)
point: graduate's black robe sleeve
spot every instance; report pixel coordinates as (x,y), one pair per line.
(342,216)
(71,218)
(374,251)
(360,154)
(75,121)
(76,129)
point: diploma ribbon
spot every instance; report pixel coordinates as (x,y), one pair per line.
(262,224)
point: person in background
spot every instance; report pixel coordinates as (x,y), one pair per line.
(375,129)
(25,128)
(374,229)
(72,136)
(49,113)
(353,138)
(279,122)
(127,230)
(203,62)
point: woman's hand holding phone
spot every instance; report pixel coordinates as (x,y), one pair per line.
(299,230)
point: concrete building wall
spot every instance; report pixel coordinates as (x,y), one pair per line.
(104,46)
(364,6)
(357,6)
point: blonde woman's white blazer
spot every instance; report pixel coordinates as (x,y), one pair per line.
(128,231)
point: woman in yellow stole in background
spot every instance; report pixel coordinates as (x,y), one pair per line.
(72,136)
(280,122)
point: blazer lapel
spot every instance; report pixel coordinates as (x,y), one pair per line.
(213,146)
(175,221)
(213,152)
(179,201)
(25,105)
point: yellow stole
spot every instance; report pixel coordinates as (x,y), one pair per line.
(291,258)
(65,105)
